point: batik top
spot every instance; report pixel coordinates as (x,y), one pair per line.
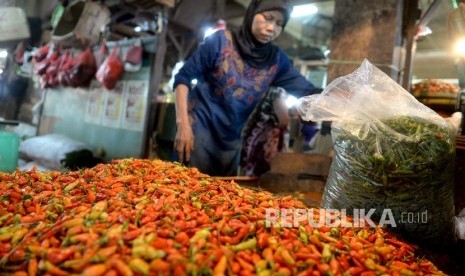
(228,89)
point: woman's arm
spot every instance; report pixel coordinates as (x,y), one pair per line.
(291,80)
(200,63)
(184,141)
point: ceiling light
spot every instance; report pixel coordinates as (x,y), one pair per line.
(304,10)
(460,47)
(3,53)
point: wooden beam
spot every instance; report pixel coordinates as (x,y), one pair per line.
(411,14)
(155,80)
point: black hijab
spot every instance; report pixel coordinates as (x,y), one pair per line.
(257,54)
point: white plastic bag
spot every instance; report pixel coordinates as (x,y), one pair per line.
(50,150)
(391,153)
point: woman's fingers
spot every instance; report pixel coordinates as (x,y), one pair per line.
(188,149)
(184,143)
(184,149)
(179,147)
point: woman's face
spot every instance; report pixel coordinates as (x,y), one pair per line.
(267,26)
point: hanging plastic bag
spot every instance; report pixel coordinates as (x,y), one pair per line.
(133,57)
(101,54)
(65,65)
(42,52)
(43,60)
(83,70)
(110,71)
(392,155)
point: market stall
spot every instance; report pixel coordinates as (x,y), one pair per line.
(144,217)
(111,85)
(382,205)
(440,95)
(95,77)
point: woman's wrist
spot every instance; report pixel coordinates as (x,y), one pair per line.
(182,122)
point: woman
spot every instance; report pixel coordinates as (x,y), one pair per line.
(233,71)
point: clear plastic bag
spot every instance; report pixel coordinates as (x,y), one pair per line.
(391,154)
(132,57)
(460,225)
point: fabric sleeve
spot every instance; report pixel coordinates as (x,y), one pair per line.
(291,80)
(201,61)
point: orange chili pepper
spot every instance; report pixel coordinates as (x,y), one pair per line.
(244,264)
(155,205)
(49,267)
(32,218)
(120,266)
(235,267)
(95,270)
(158,265)
(32,267)
(221,266)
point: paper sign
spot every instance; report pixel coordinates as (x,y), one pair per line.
(135,105)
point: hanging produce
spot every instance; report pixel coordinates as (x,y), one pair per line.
(57,67)
(110,70)
(132,57)
(42,53)
(149,217)
(66,64)
(83,70)
(44,57)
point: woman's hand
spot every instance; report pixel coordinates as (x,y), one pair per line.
(184,142)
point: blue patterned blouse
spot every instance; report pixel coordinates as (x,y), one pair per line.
(226,93)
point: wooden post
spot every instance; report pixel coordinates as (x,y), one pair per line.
(155,80)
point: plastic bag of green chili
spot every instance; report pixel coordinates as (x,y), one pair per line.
(393,156)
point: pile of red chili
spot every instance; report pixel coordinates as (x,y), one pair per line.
(149,217)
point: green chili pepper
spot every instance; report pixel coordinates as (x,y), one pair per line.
(248,244)
(403,163)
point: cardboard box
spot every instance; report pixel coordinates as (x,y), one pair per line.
(169,3)
(147,4)
(13,24)
(82,21)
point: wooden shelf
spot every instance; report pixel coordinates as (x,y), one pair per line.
(441,102)
(460,142)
